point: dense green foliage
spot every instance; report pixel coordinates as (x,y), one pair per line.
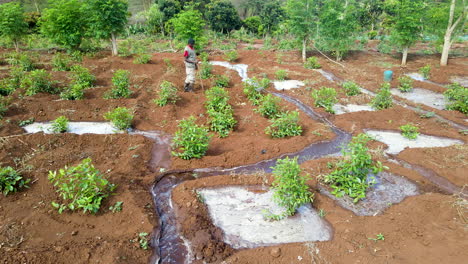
(80,187)
(205,70)
(13,25)
(383,99)
(231,55)
(61,62)
(222,16)
(189,24)
(220,111)
(11,181)
(253,89)
(312,63)
(25,61)
(167,94)
(351,88)
(409,131)
(37,81)
(458,97)
(426,71)
(121,118)
(191,140)
(120,85)
(59,125)
(325,97)
(221,81)
(350,176)
(406,84)
(281,75)
(286,125)
(269,106)
(290,188)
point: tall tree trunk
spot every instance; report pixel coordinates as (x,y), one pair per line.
(304,49)
(114,44)
(446,49)
(405,56)
(448,33)
(16,44)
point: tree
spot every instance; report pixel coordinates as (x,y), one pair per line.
(405,17)
(338,26)
(252,7)
(368,12)
(189,24)
(223,16)
(107,19)
(448,19)
(154,19)
(169,8)
(271,15)
(12,23)
(303,20)
(252,24)
(64,22)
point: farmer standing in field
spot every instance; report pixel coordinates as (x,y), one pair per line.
(190,59)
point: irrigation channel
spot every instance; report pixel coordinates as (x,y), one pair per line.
(171,247)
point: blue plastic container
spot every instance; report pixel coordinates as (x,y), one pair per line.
(387,76)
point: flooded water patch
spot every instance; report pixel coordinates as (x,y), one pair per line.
(388,189)
(74,127)
(462,80)
(351,108)
(287,85)
(423,96)
(238,211)
(397,143)
(240,68)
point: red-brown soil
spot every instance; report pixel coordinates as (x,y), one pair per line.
(423,229)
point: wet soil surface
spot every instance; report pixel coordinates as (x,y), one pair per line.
(426,228)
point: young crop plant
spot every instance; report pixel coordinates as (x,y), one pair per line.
(217,99)
(351,88)
(253,89)
(425,71)
(281,75)
(206,69)
(312,63)
(23,60)
(350,176)
(325,97)
(406,84)
(120,85)
(37,81)
(167,94)
(409,131)
(290,188)
(60,125)
(7,86)
(82,76)
(142,58)
(222,122)
(61,62)
(80,187)
(191,140)
(121,118)
(383,99)
(221,81)
(269,106)
(286,125)
(231,56)
(74,92)
(117,207)
(11,181)
(458,97)
(5,102)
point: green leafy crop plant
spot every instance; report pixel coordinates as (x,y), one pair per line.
(426,71)
(221,81)
(269,106)
(82,76)
(61,62)
(409,131)
(351,88)
(60,125)
(142,58)
(121,118)
(191,140)
(231,56)
(11,181)
(281,75)
(458,98)
(383,99)
(167,94)
(325,97)
(286,125)
(253,89)
(350,176)
(80,187)
(37,81)
(220,111)
(312,63)
(406,84)
(120,85)
(205,70)
(290,188)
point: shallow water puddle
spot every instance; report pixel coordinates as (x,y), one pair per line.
(418,77)
(351,108)
(74,127)
(240,68)
(287,85)
(397,143)
(463,81)
(388,189)
(238,212)
(328,75)
(423,96)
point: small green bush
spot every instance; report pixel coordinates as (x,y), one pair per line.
(458,97)
(217,99)
(231,55)
(222,122)
(5,102)
(120,85)
(269,106)
(281,75)
(253,89)
(7,86)
(290,188)
(82,76)
(142,58)
(191,140)
(350,176)
(409,131)
(312,63)
(425,71)
(286,125)
(60,125)
(383,99)
(74,92)
(80,187)
(205,70)
(221,81)
(23,60)
(61,62)
(406,84)
(351,88)
(167,94)
(204,56)
(121,118)
(37,81)
(11,181)
(325,97)
(16,75)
